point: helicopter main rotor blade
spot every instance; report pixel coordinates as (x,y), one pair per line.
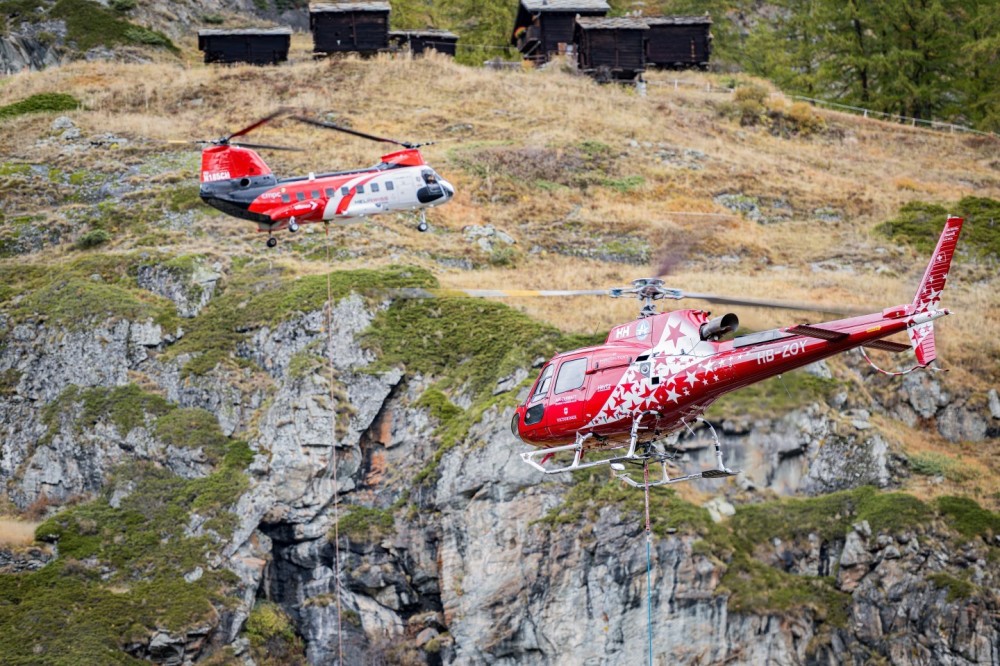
(420,292)
(265,146)
(353,132)
(764,303)
(250,128)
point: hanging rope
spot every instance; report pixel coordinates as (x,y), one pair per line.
(649,565)
(333,453)
(896,374)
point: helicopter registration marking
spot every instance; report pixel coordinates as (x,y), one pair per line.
(792,349)
(216,175)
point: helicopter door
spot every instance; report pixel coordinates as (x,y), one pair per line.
(567,406)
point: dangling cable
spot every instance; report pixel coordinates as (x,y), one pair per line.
(333,454)
(901,373)
(649,565)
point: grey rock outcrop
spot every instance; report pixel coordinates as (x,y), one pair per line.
(468,572)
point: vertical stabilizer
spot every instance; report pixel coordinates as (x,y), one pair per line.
(929,292)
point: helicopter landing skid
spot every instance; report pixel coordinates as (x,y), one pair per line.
(636,454)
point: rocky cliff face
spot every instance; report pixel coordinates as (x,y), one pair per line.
(31,46)
(452,551)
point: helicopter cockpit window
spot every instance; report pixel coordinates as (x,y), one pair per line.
(429,177)
(571,375)
(543,384)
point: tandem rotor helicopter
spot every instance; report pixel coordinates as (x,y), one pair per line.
(657,374)
(235,180)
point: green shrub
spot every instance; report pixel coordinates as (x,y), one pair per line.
(93,238)
(40,103)
(366,523)
(968,518)
(89,24)
(958,589)
(939,464)
(749,103)
(919,225)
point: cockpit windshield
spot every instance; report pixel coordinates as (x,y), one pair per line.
(542,387)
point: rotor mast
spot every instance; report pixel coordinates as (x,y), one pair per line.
(648,290)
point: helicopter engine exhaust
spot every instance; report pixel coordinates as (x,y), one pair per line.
(716,328)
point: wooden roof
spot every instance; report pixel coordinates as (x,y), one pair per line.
(428,32)
(602,23)
(566,5)
(244,31)
(345,7)
(679,20)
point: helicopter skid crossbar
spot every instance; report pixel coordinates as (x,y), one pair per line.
(720,472)
(578,450)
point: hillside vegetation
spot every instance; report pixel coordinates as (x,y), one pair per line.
(742,193)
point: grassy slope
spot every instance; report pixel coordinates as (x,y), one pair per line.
(563,165)
(559,163)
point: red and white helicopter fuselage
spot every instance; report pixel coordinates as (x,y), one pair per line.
(236,181)
(657,374)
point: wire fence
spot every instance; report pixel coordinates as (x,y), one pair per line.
(865,113)
(891,117)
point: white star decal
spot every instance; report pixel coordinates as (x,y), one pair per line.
(672,396)
(691,378)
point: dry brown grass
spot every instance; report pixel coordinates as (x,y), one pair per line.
(14,532)
(975,469)
(861,168)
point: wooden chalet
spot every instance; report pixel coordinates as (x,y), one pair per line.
(679,42)
(544,27)
(611,48)
(349,27)
(257,46)
(419,41)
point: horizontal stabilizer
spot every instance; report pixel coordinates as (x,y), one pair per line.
(816,332)
(887,345)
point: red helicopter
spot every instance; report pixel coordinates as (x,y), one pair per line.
(657,374)
(235,180)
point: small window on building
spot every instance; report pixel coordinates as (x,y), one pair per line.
(389,186)
(571,375)
(361,189)
(286,198)
(374,187)
(344,191)
(315,194)
(301,196)
(329,192)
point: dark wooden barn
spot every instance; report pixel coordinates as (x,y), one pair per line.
(419,41)
(544,27)
(349,27)
(257,46)
(611,48)
(679,42)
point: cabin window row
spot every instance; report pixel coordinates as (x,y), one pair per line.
(344,191)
